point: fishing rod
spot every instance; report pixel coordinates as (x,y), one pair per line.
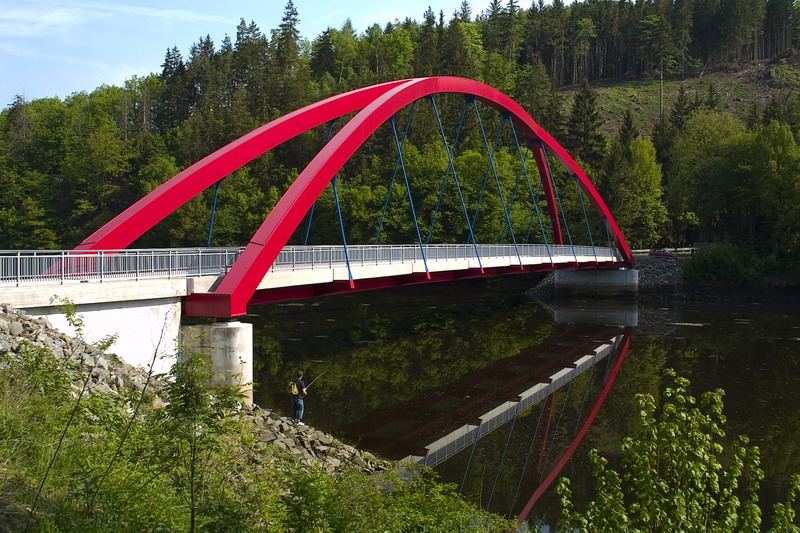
(315,379)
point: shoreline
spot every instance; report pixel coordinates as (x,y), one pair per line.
(661,280)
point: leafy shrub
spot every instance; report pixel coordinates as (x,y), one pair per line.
(676,475)
(189,465)
(722,265)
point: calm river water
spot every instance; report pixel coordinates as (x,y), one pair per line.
(400,369)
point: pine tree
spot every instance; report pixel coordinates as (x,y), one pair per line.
(682,24)
(712,98)
(426,57)
(511,31)
(464,12)
(584,139)
(288,39)
(663,137)
(492,27)
(323,58)
(174,106)
(628,130)
(681,109)
(773,111)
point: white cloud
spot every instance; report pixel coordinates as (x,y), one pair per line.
(176,16)
(35,20)
(43,18)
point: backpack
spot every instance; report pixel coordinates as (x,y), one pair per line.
(292,388)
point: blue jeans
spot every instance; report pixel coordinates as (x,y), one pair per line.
(297,408)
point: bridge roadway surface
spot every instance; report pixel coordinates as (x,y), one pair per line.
(140,295)
(31,278)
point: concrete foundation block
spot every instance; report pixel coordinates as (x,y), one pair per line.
(597,282)
(229,346)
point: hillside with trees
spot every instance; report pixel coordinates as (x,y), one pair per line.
(684,113)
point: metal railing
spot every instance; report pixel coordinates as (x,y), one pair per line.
(677,251)
(70,266)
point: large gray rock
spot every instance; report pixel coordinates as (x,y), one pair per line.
(15,329)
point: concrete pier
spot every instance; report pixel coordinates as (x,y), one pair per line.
(229,345)
(623,282)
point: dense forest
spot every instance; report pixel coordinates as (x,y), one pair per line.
(696,174)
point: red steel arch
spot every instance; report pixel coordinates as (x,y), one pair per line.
(377,103)
(169,196)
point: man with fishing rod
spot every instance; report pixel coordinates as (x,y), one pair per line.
(299,390)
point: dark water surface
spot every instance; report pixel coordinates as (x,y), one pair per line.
(401,369)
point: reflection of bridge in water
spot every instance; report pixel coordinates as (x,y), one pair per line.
(442,427)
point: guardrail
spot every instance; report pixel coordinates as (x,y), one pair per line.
(69,266)
(678,251)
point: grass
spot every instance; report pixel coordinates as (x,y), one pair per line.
(737,90)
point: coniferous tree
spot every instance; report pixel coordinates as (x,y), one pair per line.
(628,130)
(712,100)
(426,57)
(511,31)
(174,106)
(464,12)
(583,136)
(292,78)
(681,109)
(287,48)
(682,25)
(323,57)
(663,137)
(773,111)
(493,26)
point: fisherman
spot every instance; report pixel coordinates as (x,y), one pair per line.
(297,399)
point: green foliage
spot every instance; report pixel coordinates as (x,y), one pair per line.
(389,502)
(583,128)
(634,192)
(191,464)
(701,139)
(721,265)
(675,474)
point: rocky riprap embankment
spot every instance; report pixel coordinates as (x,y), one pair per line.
(660,278)
(108,375)
(310,446)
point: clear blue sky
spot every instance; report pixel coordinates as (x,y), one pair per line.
(57,47)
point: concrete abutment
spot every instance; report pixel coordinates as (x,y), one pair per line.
(623,282)
(229,347)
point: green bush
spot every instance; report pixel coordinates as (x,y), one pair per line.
(722,265)
(676,476)
(190,465)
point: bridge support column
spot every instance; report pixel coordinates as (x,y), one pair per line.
(229,346)
(597,282)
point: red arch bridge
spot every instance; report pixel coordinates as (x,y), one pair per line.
(552,217)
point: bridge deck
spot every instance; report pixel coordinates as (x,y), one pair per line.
(29,279)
